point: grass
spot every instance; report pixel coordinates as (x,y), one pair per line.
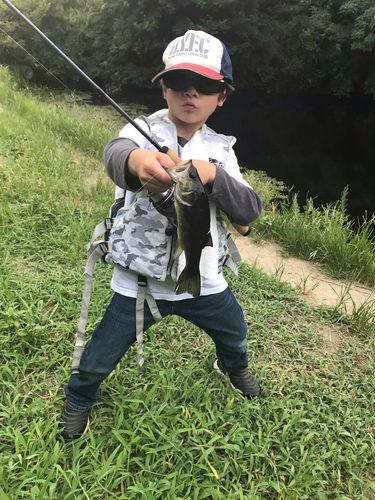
(174,430)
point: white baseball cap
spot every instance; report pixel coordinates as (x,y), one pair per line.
(199,52)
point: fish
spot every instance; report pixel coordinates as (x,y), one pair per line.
(193,224)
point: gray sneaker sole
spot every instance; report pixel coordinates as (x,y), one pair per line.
(87,427)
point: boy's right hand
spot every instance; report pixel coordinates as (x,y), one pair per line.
(148,167)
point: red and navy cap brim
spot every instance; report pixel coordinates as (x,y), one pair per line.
(196,68)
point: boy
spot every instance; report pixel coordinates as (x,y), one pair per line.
(196,79)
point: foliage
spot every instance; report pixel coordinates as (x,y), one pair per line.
(271,191)
(316,45)
(176,430)
(59,21)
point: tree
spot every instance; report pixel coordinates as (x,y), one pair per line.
(321,46)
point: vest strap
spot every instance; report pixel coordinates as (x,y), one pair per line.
(143,295)
(97,251)
(233,256)
(99,230)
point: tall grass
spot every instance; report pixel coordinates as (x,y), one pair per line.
(323,234)
(177,430)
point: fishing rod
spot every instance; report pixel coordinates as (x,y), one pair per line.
(244,230)
(96,87)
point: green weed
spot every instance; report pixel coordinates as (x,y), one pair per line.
(272,191)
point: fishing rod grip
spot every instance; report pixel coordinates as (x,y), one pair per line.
(172,155)
(244,230)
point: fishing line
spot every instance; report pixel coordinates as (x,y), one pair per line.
(40,64)
(72,93)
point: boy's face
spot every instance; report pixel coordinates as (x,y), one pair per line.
(190,107)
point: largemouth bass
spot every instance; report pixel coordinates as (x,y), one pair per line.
(193,224)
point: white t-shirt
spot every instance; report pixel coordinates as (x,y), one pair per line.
(125,282)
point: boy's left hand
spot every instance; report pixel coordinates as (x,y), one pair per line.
(206,171)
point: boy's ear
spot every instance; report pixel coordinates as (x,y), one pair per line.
(163,89)
(222,98)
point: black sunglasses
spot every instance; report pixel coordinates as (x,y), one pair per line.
(202,85)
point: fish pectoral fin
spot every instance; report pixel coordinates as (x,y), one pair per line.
(178,250)
(209,240)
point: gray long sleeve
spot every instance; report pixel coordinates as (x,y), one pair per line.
(240,202)
(116,155)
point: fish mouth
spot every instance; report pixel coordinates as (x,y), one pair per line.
(178,171)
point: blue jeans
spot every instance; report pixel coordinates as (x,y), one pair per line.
(219,315)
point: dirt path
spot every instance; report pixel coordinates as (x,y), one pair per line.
(316,287)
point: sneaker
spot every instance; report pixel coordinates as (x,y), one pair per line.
(241,380)
(74,424)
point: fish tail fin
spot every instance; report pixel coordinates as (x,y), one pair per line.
(190,283)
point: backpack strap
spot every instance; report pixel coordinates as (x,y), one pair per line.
(143,295)
(100,229)
(97,250)
(233,256)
